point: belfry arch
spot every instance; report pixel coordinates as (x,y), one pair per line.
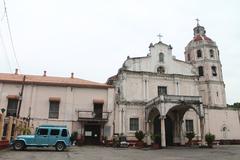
(164,115)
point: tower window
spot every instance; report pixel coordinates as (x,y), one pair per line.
(199,53)
(214,70)
(161,57)
(200,71)
(188,57)
(211,53)
(161,70)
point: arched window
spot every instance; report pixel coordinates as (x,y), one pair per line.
(188,57)
(200,71)
(160,69)
(211,53)
(199,53)
(214,70)
(161,57)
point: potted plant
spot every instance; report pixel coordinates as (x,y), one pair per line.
(209,138)
(156,141)
(139,135)
(190,136)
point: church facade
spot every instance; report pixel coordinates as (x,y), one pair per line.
(157,94)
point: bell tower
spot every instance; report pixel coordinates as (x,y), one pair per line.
(202,52)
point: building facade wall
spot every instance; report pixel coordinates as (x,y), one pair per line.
(35,102)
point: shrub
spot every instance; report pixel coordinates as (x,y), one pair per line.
(157,138)
(190,135)
(139,135)
(209,138)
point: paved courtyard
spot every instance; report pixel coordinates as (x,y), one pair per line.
(107,153)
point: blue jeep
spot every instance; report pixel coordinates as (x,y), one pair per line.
(45,136)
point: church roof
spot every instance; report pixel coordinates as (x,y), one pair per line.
(201,37)
(51,81)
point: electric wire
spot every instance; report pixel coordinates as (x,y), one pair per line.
(5,51)
(10,34)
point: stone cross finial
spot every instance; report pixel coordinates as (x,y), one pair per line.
(159,36)
(197,21)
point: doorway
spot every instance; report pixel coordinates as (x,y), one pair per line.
(92,133)
(168,129)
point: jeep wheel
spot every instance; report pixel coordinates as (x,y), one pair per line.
(60,146)
(19,145)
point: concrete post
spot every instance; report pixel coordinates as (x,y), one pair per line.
(16,129)
(202,130)
(9,128)
(1,125)
(163,138)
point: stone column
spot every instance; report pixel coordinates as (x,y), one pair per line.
(182,137)
(1,125)
(202,130)
(9,128)
(148,134)
(163,138)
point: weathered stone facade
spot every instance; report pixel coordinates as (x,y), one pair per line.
(194,93)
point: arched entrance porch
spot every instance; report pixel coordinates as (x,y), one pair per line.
(164,116)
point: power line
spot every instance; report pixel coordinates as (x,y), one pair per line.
(5,50)
(10,34)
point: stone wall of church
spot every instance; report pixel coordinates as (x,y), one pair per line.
(144,87)
(152,61)
(224,123)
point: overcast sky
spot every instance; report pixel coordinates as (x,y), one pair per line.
(92,38)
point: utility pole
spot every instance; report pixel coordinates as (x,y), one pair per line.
(21,96)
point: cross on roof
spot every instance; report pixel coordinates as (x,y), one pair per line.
(159,36)
(197,21)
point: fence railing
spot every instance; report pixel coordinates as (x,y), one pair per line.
(10,127)
(91,115)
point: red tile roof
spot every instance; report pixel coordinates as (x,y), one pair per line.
(200,37)
(51,81)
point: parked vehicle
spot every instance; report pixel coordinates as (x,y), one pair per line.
(120,141)
(45,136)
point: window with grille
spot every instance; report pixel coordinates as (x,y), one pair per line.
(134,124)
(189,125)
(54,109)
(12,107)
(162,90)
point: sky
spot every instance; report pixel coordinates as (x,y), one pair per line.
(93,38)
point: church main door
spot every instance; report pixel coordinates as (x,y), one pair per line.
(168,129)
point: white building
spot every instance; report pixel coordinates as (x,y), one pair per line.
(159,94)
(84,106)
